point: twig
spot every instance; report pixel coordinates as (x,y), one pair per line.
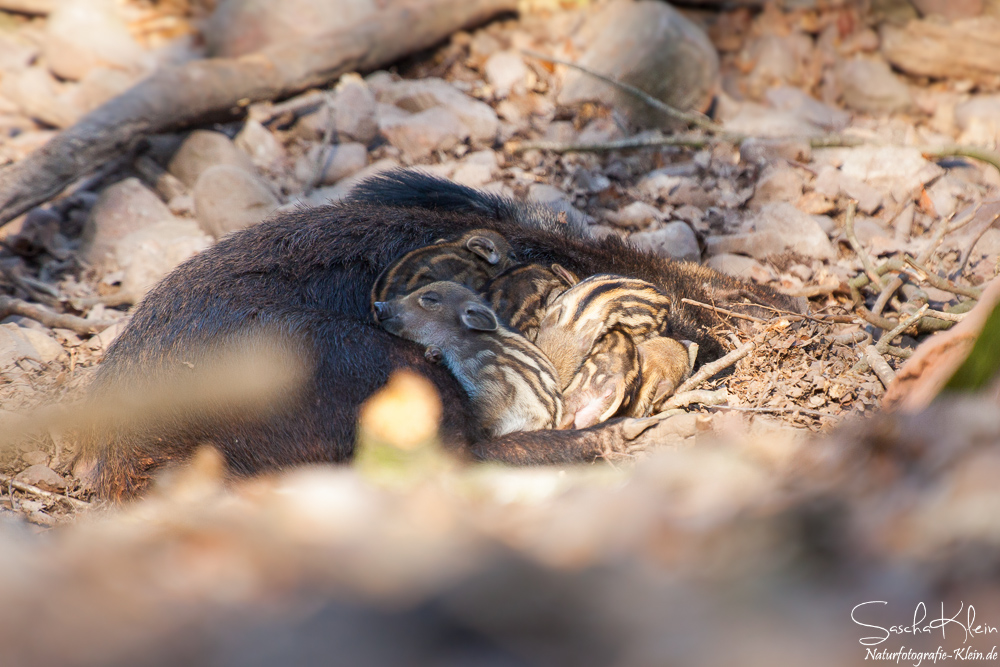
(11,306)
(325,155)
(696,119)
(641,141)
(710,369)
(42,493)
(943,283)
(810,291)
(791,410)
(956,150)
(723,311)
(852,238)
(904,324)
(878,364)
(950,317)
(697,396)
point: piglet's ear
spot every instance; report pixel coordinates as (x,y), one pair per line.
(485,248)
(477,317)
(564,274)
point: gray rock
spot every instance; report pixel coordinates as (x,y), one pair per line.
(979,119)
(650,45)
(557,200)
(419,134)
(477,169)
(203,149)
(778,228)
(227,198)
(506,72)
(424,94)
(950,9)
(262,147)
(354,110)
(147,255)
(17,51)
(239,27)
(833,183)
(870,86)
(894,171)
(17,343)
(100,85)
(43,477)
(675,240)
(756,150)
(123,208)
(675,190)
(778,182)
(637,214)
(81,35)
(968,49)
(797,101)
(341,161)
(740,266)
(35,458)
(760,121)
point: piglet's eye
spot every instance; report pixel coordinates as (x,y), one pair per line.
(430,299)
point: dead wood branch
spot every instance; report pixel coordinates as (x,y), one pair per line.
(723,311)
(878,364)
(710,369)
(182,95)
(42,493)
(696,397)
(11,306)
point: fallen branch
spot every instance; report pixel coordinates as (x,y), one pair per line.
(11,306)
(42,493)
(696,397)
(711,369)
(183,95)
(955,150)
(723,311)
(779,411)
(878,364)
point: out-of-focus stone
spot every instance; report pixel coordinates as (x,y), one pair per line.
(778,59)
(799,102)
(262,147)
(833,183)
(650,45)
(637,214)
(675,240)
(100,85)
(894,171)
(740,266)
(18,343)
(43,477)
(147,255)
(81,35)
(506,72)
(340,161)
(418,95)
(763,151)
(760,121)
(477,169)
(869,85)
(121,209)
(777,183)
(779,227)
(676,190)
(420,134)
(979,119)
(239,27)
(37,94)
(965,49)
(949,9)
(203,149)
(227,198)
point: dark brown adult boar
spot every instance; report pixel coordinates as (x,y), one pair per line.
(303,280)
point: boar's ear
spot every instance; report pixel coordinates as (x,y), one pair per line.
(485,248)
(478,317)
(564,274)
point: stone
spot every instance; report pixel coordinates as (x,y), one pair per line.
(227,198)
(869,85)
(777,183)
(37,94)
(43,477)
(675,240)
(100,85)
(833,183)
(81,35)
(506,72)
(17,51)
(416,95)
(354,107)
(203,149)
(147,255)
(239,27)
(123,208)
(950,10)
(964,49)
(650,45)
(637,214)
(326,195)
(17,343)
(341,161)
(35,458)
(419,134)
(778,60)
(979,119)
(758,120)
(895,171)
(557,200)
(779,228)
(799,102)
(477,169)
(740,266)
(260,145)
(675,190)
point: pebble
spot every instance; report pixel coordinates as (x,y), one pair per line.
(869,85)
(556,199)
(637,214)
(741,266)
(758,120)
(675,240)
(81,35)
(147,255)
(121,209)
(203,149)
(37,94)
(35,458)
(477,117)
(260,145)
(227,198)
(764,151)
(778,227)
(949,10)
(419,134)
(832,183)
(476,169)
(18,343)
(354,110)
(340,161)
(979,119)
(895,171)
(676,190)
(799,102)
(506,72)
(778,182)
(43,477)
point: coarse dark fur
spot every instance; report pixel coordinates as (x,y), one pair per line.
(521,294)
(307,275)
(511,384)
(470,260)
